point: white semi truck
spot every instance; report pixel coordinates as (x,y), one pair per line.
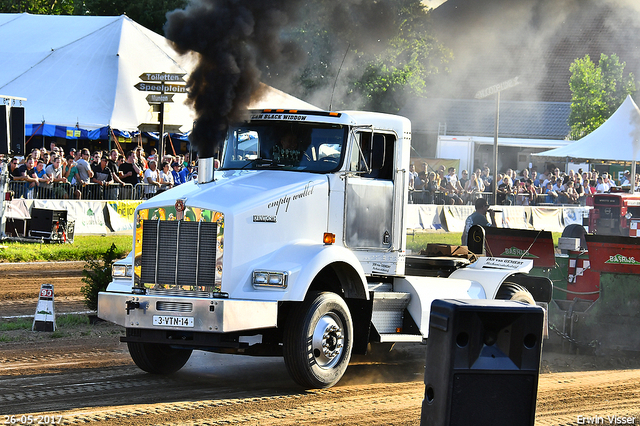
(295,246)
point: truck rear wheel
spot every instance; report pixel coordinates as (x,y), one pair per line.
(318,339)
(515,292)
(157,358)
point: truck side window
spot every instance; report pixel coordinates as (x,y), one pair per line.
(375,155)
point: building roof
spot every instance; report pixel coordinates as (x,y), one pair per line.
(518,119)
(496,40)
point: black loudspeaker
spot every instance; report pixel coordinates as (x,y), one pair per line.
(17,130)
(4,130)
(51,225)
(483,361)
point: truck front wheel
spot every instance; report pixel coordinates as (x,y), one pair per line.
(318,339)
(157,358)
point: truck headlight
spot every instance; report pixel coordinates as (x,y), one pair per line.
(271,279)
(121,271)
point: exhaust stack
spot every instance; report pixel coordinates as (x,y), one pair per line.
(205,169)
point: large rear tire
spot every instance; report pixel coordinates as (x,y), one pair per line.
(318,339)
(515,292)
(157,358)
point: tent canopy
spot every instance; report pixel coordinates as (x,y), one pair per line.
(79,72)
(617,139)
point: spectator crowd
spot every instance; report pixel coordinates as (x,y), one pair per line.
(99,175)
(524,188)
(134,175)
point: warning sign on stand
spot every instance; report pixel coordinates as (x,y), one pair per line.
(45,318)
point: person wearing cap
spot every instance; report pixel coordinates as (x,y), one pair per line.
(179,173)
(479,217)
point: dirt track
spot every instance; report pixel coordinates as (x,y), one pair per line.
(86,376)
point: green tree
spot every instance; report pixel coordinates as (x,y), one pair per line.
(38,7)
(97,275)
(596,92)
(390,49)
(403,69)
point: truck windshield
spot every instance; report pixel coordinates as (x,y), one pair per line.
(289,146)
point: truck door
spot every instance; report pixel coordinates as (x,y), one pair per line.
(369,191)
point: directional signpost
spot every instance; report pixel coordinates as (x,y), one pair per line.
(495,90)
(156,99)
(161,82)
(155,87)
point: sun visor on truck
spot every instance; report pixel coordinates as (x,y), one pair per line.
(513,243)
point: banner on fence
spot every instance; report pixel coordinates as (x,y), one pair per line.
(121,214)
(571,215)
(514,217)
(18,209)
(455,217)
(423,216)
(547,218)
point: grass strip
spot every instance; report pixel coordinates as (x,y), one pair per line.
(84,247)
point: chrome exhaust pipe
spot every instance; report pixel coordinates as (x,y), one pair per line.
(206,169)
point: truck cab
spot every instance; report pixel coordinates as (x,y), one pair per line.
(295,246)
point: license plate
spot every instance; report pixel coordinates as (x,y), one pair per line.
(173,321)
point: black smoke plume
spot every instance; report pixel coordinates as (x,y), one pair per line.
(235,40)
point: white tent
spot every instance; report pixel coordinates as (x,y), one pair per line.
(617,139)
(80,71)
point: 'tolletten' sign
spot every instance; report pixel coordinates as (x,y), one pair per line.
(498,88)
(162,76)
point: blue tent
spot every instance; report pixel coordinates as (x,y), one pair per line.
(64,132)
(51,130)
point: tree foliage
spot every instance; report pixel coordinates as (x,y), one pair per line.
(596,92)
(388,49)
(38,7)
(148,13)
(97,276)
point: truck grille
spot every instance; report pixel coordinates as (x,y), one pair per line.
(179,253)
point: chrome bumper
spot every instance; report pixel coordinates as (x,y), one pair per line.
(209,315)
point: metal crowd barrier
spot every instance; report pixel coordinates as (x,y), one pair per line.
(89,191)
(422,196)
(112,191)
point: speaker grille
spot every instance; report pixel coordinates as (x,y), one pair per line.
(17,130)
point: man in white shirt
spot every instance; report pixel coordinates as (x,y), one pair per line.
(84,168)
(54,171)
(151,180)
(601,186)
